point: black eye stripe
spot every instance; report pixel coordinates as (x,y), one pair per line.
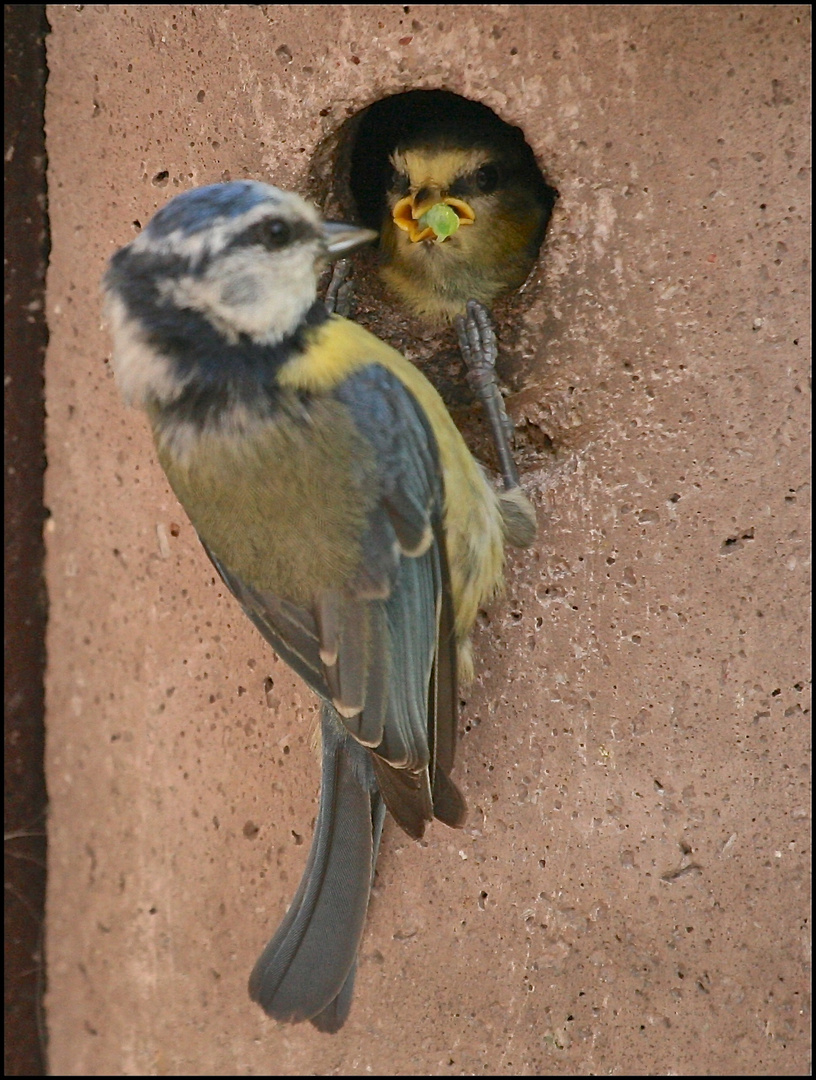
(274,233)
(482,181)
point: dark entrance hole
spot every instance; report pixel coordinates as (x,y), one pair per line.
(351,174)
(412,116)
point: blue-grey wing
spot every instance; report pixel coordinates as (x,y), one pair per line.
(382,650)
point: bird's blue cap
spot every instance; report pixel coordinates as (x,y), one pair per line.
(192,211)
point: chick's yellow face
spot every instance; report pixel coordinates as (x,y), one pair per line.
(460,224)
(432,192)
(429,208)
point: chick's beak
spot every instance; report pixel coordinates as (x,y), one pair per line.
(341,238)
(408,211)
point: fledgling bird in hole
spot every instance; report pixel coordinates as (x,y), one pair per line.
(465,212)
(340,506)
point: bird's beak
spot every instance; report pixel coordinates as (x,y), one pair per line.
(340,238)
(408,211)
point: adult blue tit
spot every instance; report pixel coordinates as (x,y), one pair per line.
(341,507)
(464,212)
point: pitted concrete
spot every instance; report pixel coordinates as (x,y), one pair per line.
(631,892)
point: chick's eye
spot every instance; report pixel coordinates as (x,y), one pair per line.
(487,178)
(271,233)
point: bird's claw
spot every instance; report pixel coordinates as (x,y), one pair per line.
(340,292)
(477,342)
(480,350)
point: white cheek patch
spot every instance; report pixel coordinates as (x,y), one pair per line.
(251,291)
(241,290)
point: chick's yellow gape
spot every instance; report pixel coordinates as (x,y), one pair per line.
(339,504)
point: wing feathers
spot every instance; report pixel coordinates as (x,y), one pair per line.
(407,796)
(381,646)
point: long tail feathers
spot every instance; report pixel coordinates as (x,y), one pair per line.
(307,970)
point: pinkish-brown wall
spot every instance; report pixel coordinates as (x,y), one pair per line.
(631,893)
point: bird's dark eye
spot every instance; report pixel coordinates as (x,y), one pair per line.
(487,178)
(271,233)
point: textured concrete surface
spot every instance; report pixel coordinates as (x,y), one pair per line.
(631,894)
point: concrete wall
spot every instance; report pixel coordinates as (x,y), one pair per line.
(631,891)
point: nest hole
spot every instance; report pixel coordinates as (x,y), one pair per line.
(350,175)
